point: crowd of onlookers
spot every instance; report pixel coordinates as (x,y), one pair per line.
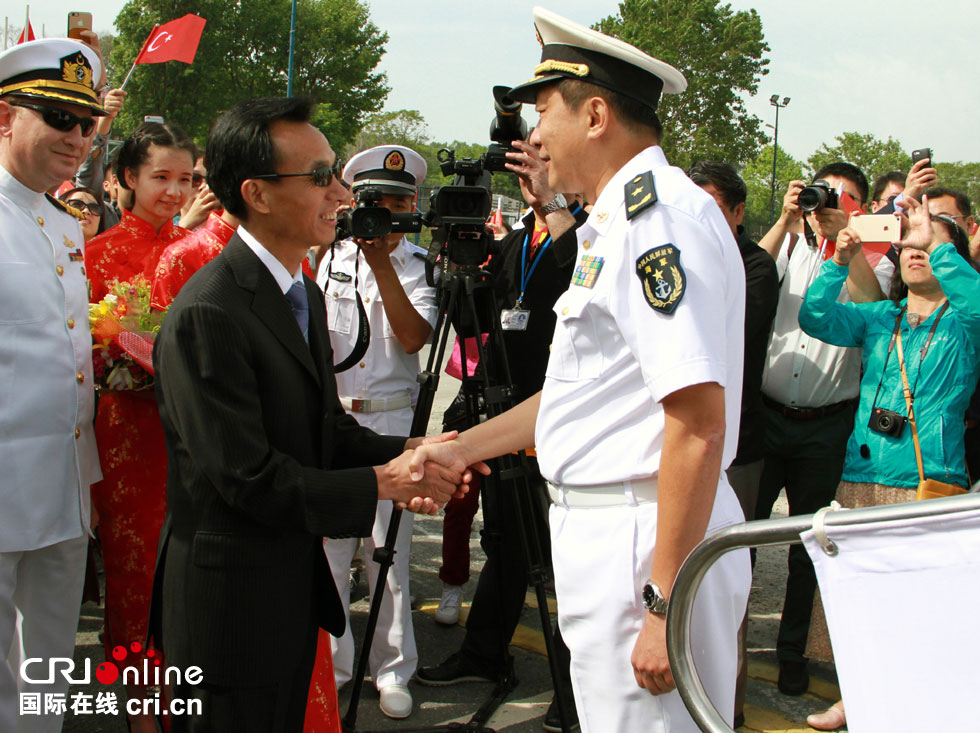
(860,373)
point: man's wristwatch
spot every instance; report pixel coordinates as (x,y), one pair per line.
(653,599)
(556,204)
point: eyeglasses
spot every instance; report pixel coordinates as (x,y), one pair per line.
(322,176)
(93,208)
(60,119)
(197,179)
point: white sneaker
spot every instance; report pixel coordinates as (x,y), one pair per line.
(396,701)
(448,611)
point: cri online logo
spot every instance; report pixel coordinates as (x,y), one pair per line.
(150,673)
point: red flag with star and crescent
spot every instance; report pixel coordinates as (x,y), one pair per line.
(173,41)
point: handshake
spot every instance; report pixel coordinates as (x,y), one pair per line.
(429,473)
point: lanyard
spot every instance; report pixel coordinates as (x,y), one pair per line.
(922,351)
(363,339)
(525,272)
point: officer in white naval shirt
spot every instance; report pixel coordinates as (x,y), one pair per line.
(644,377)
(47,444)
(387,274)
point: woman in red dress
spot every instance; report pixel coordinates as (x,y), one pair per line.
(156,163)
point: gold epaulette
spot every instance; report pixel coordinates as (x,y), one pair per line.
(80,215)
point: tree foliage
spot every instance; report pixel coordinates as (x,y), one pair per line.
(720,52)
(244,53)
(757,175)
(872,155)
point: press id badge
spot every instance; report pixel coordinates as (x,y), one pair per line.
(514,319)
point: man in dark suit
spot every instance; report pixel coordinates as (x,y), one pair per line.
(262,460)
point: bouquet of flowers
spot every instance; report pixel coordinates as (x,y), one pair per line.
(124,327)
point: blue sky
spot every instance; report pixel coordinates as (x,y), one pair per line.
(898,68)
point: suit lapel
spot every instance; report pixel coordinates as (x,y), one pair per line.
(268,303)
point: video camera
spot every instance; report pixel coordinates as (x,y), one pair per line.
(458,212)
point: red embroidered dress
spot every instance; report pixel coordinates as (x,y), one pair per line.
(186,256)
(131,499)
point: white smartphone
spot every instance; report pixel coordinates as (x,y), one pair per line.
(877,227)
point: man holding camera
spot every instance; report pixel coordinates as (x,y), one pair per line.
(530,272)
(644,374)
(809,387)
(387,276)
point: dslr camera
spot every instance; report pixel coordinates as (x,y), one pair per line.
(887,422)
(818,195)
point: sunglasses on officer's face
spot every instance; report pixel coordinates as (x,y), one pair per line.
(60,119)
(322,176)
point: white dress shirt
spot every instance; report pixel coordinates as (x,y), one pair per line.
(802,371)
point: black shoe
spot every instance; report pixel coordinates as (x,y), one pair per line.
(794,678)
(455,669)
(552,720)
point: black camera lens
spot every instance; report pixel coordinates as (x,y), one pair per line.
(885,422)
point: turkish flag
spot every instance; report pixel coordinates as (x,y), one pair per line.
(27,34)
(173,41)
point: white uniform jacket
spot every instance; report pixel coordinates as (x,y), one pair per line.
(613,356)
(386,370)
(48,457)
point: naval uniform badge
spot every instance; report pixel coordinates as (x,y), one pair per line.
(587,271)
(659,270)
(394,161)
(640,194)
(341,277)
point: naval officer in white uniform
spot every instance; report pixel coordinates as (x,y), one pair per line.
(48,457)
(640,408)
(379,390)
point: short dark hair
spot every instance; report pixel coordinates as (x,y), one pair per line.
(723,177)
(240,147)
(634,115)
(882,181)
(962,200)
(849,171)
(136,149)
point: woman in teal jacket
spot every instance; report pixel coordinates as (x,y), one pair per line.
(940,326)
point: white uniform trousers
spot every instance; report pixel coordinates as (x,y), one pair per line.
(602,558)
(394,657)
(40,596)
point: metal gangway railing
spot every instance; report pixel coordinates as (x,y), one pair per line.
(763,533)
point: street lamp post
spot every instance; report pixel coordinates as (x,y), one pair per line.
(292,51)
(774,101)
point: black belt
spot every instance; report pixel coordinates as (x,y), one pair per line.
(807,413)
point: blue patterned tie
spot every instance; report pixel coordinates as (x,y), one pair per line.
(296,295)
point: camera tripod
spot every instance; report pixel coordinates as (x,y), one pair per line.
(460,303)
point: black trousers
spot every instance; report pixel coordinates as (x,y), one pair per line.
(807,458)
(502,587)
(278,708)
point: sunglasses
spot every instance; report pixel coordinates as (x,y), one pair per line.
(322,176)
(197,179)
(60,119)
(92,208)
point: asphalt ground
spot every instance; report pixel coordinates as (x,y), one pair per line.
(766,709)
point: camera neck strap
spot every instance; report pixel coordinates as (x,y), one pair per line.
(908,396)
(896,337)
(363,339)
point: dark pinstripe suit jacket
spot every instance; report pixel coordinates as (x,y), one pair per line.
(262,462)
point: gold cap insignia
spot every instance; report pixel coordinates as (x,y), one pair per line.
(75,69)
(564,67)
(394,161)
